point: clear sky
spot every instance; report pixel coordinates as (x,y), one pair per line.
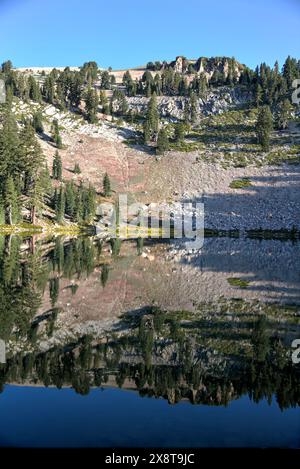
(126,33)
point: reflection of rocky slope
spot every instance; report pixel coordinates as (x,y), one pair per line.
(177,279)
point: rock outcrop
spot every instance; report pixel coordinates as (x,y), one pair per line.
(208,66)
(180,65)
(223,65)
(215,102)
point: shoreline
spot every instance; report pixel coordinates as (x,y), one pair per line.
(29,229)
(282,234)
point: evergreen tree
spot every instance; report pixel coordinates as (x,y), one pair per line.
(55,199)
(193,108)
(89,71)
(34,90)
(37,122)
(36,195)
(180,130)
(46,181)
(70,199)
(106,186)
(105,80)
(11,201)
(57,167)
(31,158)
(79,207)
(162,142)
(9,146)
(290,71)
(152,119)
(75,90)
(258,95)
(283,114)
(264,126)
(60,205)
(6,67)
(48,90)
(56,134)
(60,97)
(118,103)
(91,105)
(89,204)
(146,131)
(104,102)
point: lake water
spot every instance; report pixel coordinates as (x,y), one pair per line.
(146,344)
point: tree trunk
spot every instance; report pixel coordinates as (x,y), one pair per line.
(32,244)
(33,215)
(9,215)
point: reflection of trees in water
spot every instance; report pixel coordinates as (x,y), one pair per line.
(138,359)
(76,258)
(25,273)
(21,286)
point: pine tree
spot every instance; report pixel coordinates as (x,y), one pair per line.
(31,158)
(105,80)
(283,114)
(104,102)
(11,201)
(119,103)
(91,105)
(37,122)
(79,206)
(6,67)
(152,118)
(89,203)
(290,71)
(106,186)
(55,199)
(46,181)
(9,145)
(57,167)
(60,205)
(264,126)
(70,199)
(48,90)
(258,95)
(162,142)
(36,196)
(180,130)
(56,134)
(34,90)
(146,131)
(60,97)
(75,89)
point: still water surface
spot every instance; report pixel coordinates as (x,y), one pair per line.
(149,344)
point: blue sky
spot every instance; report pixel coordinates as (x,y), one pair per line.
(124,33)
